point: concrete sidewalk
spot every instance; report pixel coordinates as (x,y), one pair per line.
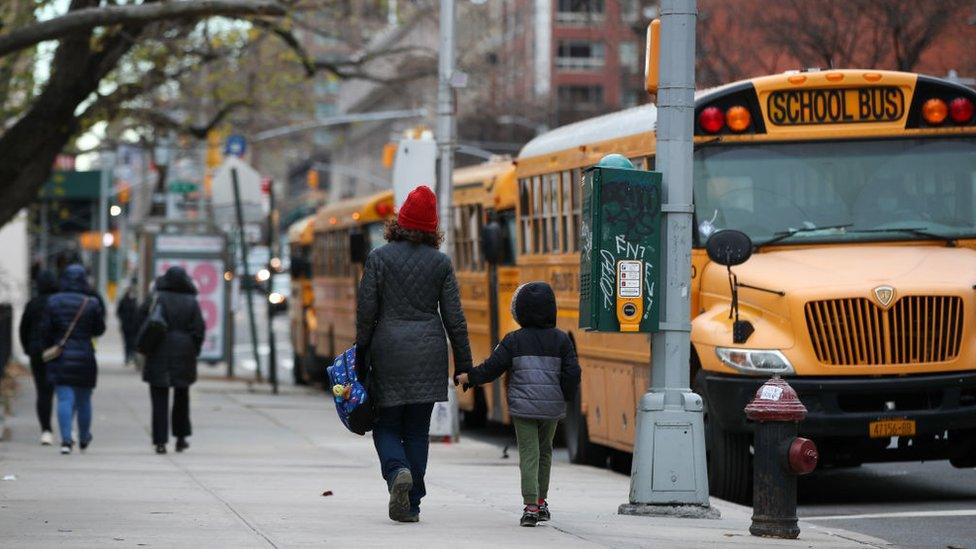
(258,468)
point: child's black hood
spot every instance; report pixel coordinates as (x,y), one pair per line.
(534,305)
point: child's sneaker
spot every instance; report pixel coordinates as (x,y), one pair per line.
(544,511)
(530,516)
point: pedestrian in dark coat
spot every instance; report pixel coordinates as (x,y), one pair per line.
(74,315)
(543,374)
(173,363)
(127,311)
(407,298)
(32,341)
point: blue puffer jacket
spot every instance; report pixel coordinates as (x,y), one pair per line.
(76,366)
(540,359)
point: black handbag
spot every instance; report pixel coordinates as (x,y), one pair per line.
(153,330)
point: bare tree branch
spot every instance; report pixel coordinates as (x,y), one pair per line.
(163,120)
(90,18)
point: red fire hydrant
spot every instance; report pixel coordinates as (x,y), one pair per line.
(779,457)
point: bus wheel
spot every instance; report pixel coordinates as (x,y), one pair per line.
(478,416)
(296,370)
(729,460)
(581,450)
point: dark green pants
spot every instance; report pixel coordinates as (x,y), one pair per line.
(535,456)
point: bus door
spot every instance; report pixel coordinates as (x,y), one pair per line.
(499,252)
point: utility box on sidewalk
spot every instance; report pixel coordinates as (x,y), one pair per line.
(620,247)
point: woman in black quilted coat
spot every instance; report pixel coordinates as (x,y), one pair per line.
(407,298)
(173,363)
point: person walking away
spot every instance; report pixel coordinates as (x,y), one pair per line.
(127,311)
(543,374)
(72,318)
(408,297)
(173,363)
(32,341)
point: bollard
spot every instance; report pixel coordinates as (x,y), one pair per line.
(779,456)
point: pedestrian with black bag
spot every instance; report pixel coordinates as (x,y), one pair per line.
(408,298)
(171,335)
(72,318)
(32,340)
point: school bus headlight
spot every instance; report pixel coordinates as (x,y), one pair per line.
(934,111)
(738,118)
(756,362)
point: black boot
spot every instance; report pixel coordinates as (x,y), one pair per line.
(160,448)
(182,444)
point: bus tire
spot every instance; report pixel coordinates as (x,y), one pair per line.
(729,460)
(581,450)
(478,416)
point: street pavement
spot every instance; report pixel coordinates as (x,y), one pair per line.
(279,471)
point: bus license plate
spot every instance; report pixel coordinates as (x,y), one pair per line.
(892,428)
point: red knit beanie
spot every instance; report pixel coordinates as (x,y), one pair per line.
(419,212)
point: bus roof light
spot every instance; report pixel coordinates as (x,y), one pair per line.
(738,118)
(934,111)
(383,209)
(961,110)
(711,119)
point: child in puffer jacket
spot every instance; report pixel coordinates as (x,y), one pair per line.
(543,375)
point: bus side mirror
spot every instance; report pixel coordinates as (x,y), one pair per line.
(358,250)
(492,242)
(730,248)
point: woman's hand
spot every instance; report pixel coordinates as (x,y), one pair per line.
(461,379)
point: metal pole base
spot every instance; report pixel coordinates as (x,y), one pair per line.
(669,476)
(774,527)
(668,510)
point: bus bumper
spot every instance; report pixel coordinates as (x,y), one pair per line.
(840,410)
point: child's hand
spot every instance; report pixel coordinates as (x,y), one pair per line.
(461,379)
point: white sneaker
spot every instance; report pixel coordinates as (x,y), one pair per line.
(65,449)
(47,438)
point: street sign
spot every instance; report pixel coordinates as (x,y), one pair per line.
(182,187)
(236,145)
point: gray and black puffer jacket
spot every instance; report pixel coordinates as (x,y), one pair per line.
(408,298)
(541,359)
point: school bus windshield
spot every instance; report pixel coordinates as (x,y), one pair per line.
(838,191)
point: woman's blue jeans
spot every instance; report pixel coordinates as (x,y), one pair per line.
(71,400)
(402,438)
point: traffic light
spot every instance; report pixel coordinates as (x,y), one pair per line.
(312,179)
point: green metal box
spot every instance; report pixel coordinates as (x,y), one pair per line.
(620,248)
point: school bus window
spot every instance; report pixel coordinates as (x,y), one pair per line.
(525,233)
(577,181)
(508,237)
(552,184)
(566,213)
(538,221)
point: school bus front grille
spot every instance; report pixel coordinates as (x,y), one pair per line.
(856,332)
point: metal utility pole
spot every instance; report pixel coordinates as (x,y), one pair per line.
(669,472)
(103,195)
(272,247)
(446,123)
(248,293)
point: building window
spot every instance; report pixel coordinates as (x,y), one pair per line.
(580,54)
(579,12)
(584,96)
(629,57)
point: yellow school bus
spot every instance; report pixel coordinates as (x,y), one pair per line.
(345,232)
(485,195)
(301,314)
(858,190)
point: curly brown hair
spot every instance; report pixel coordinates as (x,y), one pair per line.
(395,232)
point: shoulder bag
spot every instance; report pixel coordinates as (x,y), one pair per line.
(54,351)
(153,331)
